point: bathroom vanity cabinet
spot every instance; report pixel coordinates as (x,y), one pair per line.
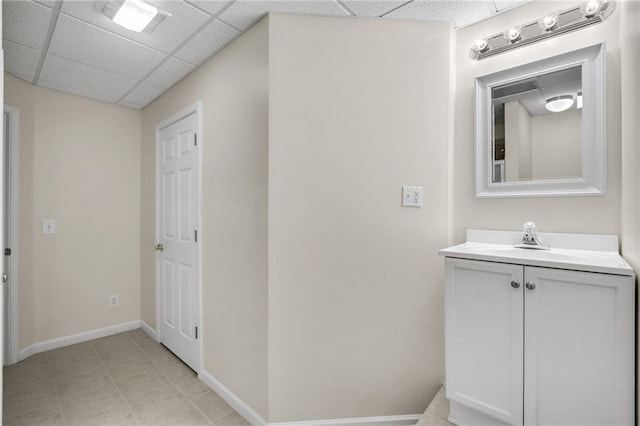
(539,337)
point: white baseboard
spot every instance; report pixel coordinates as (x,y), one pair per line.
(256,420)
(73,339)
(149,330)
(358,421)
(232,399)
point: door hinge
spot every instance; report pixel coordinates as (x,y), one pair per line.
(195,139)
(195,235)
(7,252)
(196,332)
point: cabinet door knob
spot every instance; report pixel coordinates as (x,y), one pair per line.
(515,284)
(530,286)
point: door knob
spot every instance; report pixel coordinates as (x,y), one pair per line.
(159,247)
(5,277)
(530,286)
(515,284)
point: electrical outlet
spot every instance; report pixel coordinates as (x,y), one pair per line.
(412,196)
(48,226)
(113,301)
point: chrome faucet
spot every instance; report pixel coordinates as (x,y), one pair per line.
(530,238)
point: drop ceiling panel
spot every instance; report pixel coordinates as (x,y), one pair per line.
(460,13)
(20,60)
(169,73)
(371,8)
(144,93)
(212,7)
(508,4)
(28,24)
(130,105)
(90,45)
(216,35)
(64,74)
(243,13)
(166,37)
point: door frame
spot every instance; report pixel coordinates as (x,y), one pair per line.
(14,146)
(195,108)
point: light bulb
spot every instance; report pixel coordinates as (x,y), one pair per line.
(591,8)
(479,46)
(549,22)
(513,34)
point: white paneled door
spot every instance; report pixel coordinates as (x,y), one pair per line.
(178,240)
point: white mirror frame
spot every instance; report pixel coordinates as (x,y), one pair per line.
(592,59)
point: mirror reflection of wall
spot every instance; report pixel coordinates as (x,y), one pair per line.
(537,127)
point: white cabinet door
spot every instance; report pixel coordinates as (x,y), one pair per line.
(483,337)
(579,346)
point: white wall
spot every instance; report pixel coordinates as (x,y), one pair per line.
(517,133)
(357,109)
(79,164)
(233,88)
(353,300)
(556,145)
(630,100)
(552,214)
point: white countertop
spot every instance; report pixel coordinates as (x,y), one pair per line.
(598,254)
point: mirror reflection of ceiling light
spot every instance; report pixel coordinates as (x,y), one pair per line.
(135,15)
(559,103)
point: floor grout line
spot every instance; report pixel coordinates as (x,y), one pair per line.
(115,384)
(211,421)
(86,376)
(55,387)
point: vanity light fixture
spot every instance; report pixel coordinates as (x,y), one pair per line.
(559,103)
(134,15)
(550,25)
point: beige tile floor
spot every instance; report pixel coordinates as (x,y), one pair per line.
(124,379)
(437,412)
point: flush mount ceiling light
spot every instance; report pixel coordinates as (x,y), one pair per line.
(559,103)
(550,25)
(134,15)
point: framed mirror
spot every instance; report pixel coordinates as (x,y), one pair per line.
(540,127)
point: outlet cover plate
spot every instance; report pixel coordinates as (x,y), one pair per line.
(412,196)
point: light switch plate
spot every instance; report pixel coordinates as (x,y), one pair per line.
(48,226)
(412,196)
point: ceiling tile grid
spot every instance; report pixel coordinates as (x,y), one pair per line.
(102,49)
(20,59)
(208,41)
(184,20)
(169,72)
(243,13)
(69,45)
(108,86)
(28,23)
